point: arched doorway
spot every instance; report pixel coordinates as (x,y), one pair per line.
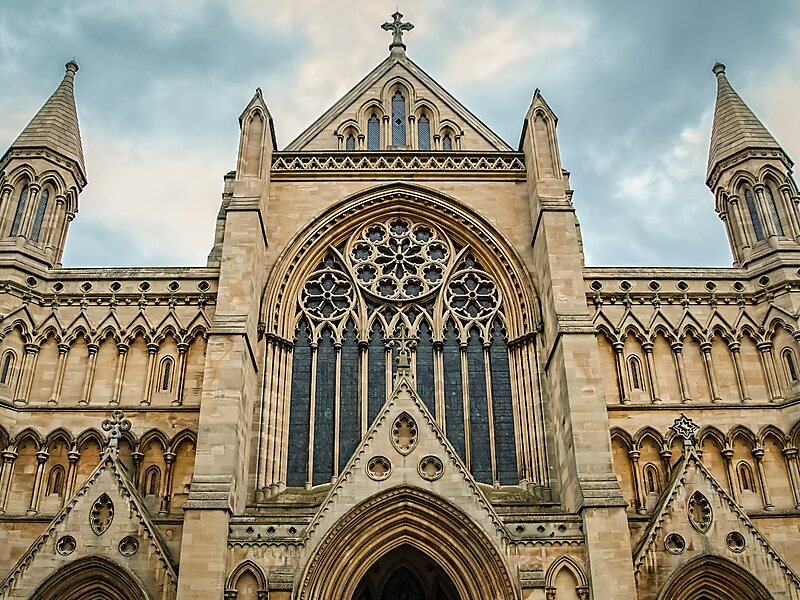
(405,574)
(713,578)
(92,578)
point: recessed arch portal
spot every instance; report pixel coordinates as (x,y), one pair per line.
(713,578)
(399,524)
(399,255)
(92,577)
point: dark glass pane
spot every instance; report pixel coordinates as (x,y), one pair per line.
(323,410)
(453,391)
(39,218)
(480,445)
(502,408)
(376,367)
(373,133)
(297,465)
(424,133)
(751,208)
(447,143)
(425,381)
(789,363)
(773,211)
(398,120)
(23,200)
(6,368)
(351,143)
(349,417)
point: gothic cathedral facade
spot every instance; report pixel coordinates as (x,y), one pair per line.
(395,378)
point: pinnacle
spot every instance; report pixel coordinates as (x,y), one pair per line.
(55,127)
(735,127)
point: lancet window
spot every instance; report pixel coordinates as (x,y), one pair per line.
(750,201)
(373,133)
(791,365)
(424,133)
(773,210)
(350,143)
(16,224)
(38,220)
(5,368)
(447,142)
(398,119)
(390,272)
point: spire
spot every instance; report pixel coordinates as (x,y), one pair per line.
(55,126)
(735,126)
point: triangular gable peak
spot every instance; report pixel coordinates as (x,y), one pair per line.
(422,96)
(429,463)
(697,518)
(82,528)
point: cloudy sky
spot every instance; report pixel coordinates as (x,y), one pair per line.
(162,83)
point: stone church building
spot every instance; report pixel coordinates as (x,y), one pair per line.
(396,378)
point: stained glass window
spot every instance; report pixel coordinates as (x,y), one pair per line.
(23,200)
(424,133)
(373,133)
(398,119)
(754,217)
(39,218)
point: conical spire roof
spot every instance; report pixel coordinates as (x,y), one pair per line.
(735,126)
(55,126)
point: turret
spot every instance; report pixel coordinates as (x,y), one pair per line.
(751,178)
(41,176)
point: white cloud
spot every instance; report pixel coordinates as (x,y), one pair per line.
(779,97)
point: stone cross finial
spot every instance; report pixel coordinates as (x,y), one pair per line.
(115,426)
(685,428)
(397,27)
(403,343)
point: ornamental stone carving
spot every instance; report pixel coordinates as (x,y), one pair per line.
(102,514)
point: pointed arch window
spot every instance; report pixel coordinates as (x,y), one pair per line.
(55,481)
(350,143)
(447,142)
(20,212)
(791,365)
(424,133)
(651,478)
(635,372)
(398,119)
(6,367)
(745,477)
(151,480)
(773,210)
(165,374)
(754,216)
(38,220)
(373,133)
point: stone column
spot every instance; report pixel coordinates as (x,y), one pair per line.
(41,460)
(711,376)
(30,210)
(791,210)
(746,241)
(790,454)
(119,374)
(137,458)
(166,498)
(411,133)
(741,383)
(5,207)
(89,379)
(26,371)
(52,222)
(386,123)
(652,377)
(152,350)
(768,368)
(619,363)
(7,470)
(727,454)
(677,354)
(180,375)
(638,492)
(63,352)
(666,456)
(758,455)
(69,485)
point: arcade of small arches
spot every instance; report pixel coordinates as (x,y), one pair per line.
(471,360)
(81,365)
(695,364)
(39,474)
(398,120)
(759,470)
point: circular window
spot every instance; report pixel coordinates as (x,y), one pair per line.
(379,468)
(674,543)
(736,541)
(128,546)
(431,468)
(66,545)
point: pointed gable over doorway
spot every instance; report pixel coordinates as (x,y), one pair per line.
(404,107)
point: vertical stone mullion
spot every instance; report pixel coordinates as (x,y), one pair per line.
(758,455)
(312,415)
(619,364)
(438,386)
(363,388)
(41,460)
(711,375)
(30,210)
(677,354)
(119,372)
(267,423)
(89,379)
(517,409)
(535,433)
(337,389)
(466,403)
(285,402)
(55,395)
(152,350)
(487,368)
(766,219)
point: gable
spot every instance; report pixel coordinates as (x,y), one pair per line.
(373,95)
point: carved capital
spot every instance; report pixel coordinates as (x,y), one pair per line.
(758,453)
(789,452)
(41,456)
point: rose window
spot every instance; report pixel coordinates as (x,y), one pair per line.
(472,295)
(327,295)
(399,259)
